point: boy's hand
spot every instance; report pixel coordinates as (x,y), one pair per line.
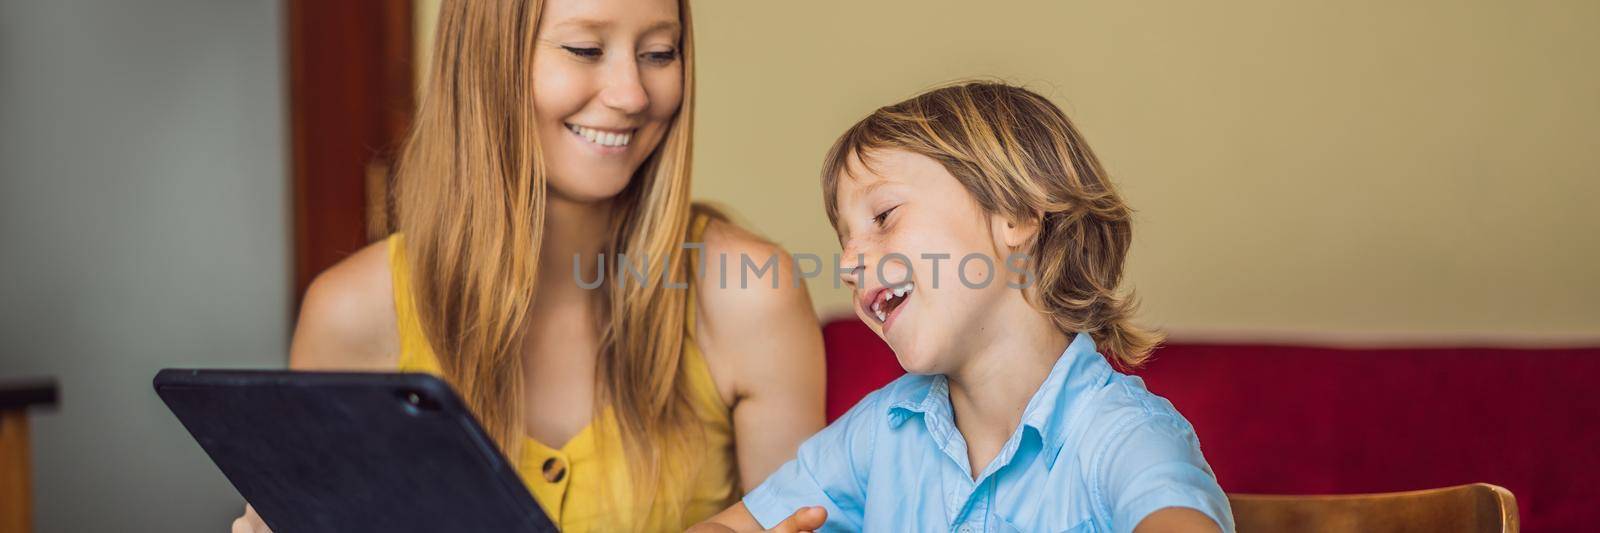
(804,520)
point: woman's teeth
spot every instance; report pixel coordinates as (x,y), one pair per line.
(889,299)
(602,138)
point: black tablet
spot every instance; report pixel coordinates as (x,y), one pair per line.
(318,451)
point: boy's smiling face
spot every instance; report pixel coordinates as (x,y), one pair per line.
(908,204)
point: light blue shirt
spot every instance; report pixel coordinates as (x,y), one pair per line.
(1095,452)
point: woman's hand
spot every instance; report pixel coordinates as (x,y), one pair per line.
(739,519)
(804,519)
(250,522)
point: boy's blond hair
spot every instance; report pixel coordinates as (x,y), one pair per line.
(1019,155)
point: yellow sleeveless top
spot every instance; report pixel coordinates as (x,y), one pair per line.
(571,482)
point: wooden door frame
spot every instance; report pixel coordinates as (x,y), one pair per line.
(351,97)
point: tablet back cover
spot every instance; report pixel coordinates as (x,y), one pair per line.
(348,452)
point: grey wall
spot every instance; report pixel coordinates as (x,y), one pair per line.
(143,224)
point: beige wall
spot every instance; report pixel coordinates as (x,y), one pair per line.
(1354,172)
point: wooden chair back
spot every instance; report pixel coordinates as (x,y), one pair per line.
(1475,508)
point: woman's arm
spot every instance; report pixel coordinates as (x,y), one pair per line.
(764,346)
(347,320)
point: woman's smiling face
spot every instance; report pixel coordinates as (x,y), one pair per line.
(608,80)
(923,305)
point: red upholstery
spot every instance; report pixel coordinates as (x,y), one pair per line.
(1299,420)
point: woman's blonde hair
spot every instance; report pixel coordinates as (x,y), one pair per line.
(1018,155)
(470,200)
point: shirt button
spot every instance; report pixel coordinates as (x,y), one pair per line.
(554,470)
(965,528)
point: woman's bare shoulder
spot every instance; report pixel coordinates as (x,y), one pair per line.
(755,313)
(747,279)
(347,320)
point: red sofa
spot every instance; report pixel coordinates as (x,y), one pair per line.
(1303,420)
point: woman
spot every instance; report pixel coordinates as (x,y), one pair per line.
(551,134)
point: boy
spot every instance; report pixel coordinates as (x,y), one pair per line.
(1008,418)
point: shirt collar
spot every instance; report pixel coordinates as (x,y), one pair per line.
(1047,411)
(1050,409)
(929,395)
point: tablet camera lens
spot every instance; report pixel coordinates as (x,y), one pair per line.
(415,402)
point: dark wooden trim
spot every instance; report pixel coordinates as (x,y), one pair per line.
(351,96)
(25,394)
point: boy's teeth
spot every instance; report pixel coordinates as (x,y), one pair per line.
(887,296)
(600,137)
